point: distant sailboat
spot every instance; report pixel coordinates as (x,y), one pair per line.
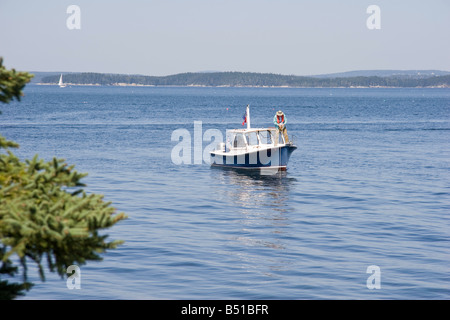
(61,84)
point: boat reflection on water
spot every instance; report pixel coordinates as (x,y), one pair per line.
(257,189)
(263,220)
(260,230)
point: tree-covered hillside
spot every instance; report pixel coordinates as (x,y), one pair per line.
(237,79)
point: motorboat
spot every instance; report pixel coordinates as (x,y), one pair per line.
(253,148)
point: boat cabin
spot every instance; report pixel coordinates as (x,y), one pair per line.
(244,139)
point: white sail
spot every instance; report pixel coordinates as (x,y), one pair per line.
(61,84)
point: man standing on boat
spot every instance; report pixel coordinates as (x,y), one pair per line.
(279,120)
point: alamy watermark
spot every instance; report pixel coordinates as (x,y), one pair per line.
(182,152)
(189,149)
(374,280)
(373,22)
(74,280)
(73,22)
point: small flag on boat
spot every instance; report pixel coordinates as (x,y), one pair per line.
(244,117)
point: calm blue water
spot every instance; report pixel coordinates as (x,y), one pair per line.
(368,185)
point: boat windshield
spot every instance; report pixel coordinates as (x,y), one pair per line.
(265,137)
(252,138)
(239,141)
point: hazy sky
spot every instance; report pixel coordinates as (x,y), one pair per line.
(162,37)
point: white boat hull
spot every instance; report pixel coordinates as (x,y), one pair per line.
(266,158)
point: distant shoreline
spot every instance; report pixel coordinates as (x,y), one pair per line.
(231,86)
(253,80)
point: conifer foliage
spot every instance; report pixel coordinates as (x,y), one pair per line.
(45,215)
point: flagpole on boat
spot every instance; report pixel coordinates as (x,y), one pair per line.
(248,116)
